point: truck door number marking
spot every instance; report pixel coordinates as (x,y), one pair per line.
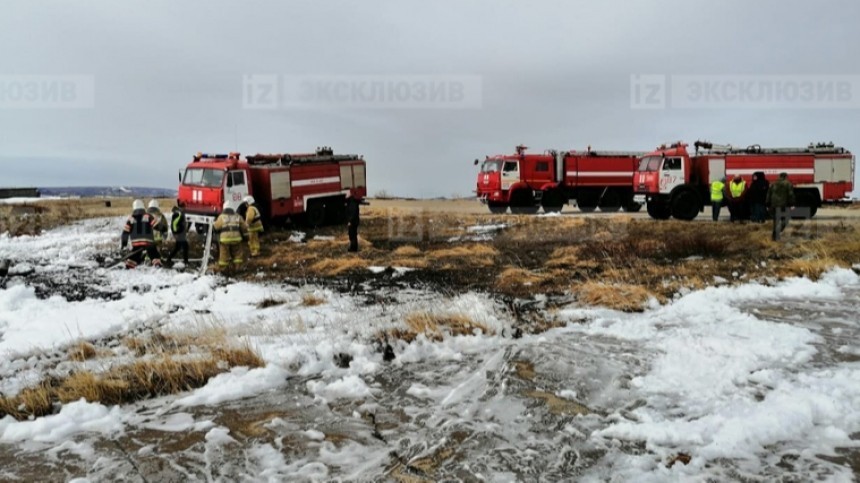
(667,180)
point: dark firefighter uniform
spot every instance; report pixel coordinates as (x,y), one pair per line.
(139,228)
(231,229)
(179,227)
(353,219)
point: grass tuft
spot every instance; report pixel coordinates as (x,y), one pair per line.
(624,297)
(82,351)
(330,267)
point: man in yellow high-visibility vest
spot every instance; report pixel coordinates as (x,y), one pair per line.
(737,191)
(718,187)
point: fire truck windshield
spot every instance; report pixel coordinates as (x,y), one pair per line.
(209,178)
(649,163)
(492,166)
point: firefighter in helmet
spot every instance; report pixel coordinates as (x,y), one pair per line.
(139,229)
(254,222)
(232,230)
(160,225)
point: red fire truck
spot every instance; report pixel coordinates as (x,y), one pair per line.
(525,182)
(285,186)
(676,184)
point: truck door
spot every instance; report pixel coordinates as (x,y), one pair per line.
(510,174)
(236,186)
(671,174)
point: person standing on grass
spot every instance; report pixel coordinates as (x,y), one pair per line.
(139,229)
(718,188)
(737,190)
(232,230)
(179,227)
(780,198)
(255,225)
(757,196)
(353,219)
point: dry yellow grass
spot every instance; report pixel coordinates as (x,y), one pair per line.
(811,268)
(82,351)
(625,297)
(330,267)
(564,257)
(513,278)
(311,300)
(406,251)
(473,255)
(410,263)
(168,371)
(436,325)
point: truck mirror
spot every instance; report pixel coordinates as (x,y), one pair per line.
(476,162)
(180,177)
(229,181)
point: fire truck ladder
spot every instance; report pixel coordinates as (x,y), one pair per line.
(209,221)
(813,148)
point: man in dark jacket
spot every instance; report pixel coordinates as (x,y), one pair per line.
(757,197)
(139,228)
(179,227)
(353,219)
(780,199)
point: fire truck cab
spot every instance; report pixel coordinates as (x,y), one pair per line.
(210,180)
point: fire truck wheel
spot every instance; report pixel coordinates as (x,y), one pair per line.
(552,201)
(524,210)
(685,205)
(658,210)
(497,209)
(633,207)
(809,200)
(315,215)
(610,201)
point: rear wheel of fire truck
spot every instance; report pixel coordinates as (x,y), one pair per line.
(610,201)
(315,216)
(659,210)
(587,201)
(685,205)
(497,208)
(522,203)
(809,199)
(553,201)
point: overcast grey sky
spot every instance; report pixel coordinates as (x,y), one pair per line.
(553,74)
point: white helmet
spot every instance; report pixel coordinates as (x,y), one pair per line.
(226,206)
(248,199)
(137,205)
(153,204)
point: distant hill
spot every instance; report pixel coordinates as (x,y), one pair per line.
(109,191)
